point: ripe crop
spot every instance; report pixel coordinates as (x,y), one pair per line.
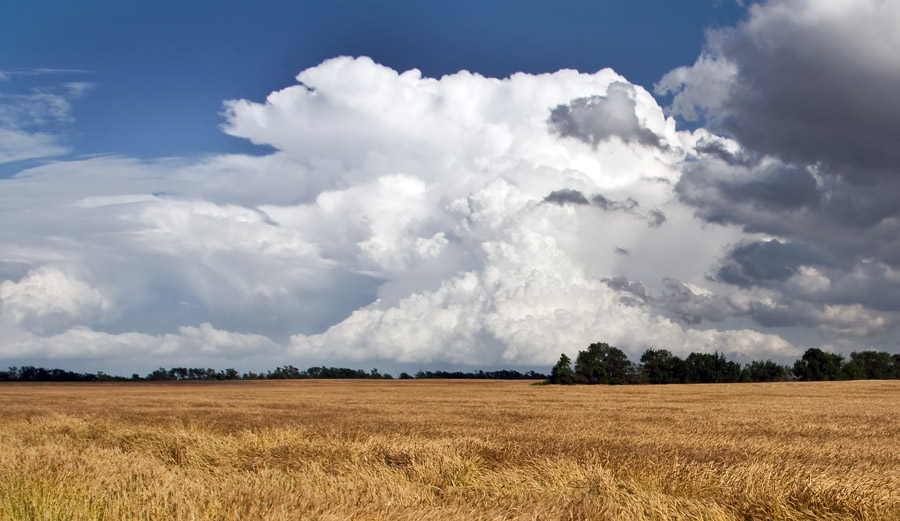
(395,450)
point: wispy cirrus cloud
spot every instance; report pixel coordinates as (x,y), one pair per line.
(35,109)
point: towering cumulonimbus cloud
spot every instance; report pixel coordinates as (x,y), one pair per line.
(474,220)
(400,218)
(448,202)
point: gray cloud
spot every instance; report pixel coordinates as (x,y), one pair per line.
(766,307)
(628,205)
(673,299)
(735,193)
(566,196)
(847,222)
(655,218)
(686,305)
(872,283)
(717,149)
(806,81)
(758,263)
(782,189)
(812,104)
(621,283)
(598,118)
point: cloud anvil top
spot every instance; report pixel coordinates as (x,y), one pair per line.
(471,220)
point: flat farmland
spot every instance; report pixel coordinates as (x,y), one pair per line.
(343,449)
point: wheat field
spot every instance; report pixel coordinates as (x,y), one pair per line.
(404,450)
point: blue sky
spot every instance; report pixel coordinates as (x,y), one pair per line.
(170,64)
(414,185)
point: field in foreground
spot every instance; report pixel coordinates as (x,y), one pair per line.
(449,450)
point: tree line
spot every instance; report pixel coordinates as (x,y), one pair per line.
(287,372)
(601,363)
(503,374)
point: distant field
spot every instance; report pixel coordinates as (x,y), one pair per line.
(410,450)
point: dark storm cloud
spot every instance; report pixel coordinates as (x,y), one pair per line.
(566,196)
(804,102)
(779,189)
(848,217)
(655,218)
(716,149)
(686,305)
(628,205)
(674,300)
(721,190)
(681,303)
(757,263)
(621,283)
(811,92)
(831,308)
(844,221)
(805,81)
(875,284)
(598,118)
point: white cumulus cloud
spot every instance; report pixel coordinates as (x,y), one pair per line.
(48,296)
(400,218)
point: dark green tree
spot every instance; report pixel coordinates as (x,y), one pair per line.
(562,372)
(659,366)
(816,365)
(868,365)
(10,375)
(159,374)
(287,372)
(853,370)
(711,368)
(603,364)
(767,371)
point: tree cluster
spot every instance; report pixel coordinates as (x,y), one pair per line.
(29,373)
(601,363)
(816,364)
(287,372)
(503,374)
(190,373)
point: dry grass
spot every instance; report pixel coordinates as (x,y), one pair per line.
(449,450)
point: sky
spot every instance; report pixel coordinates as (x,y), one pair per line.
(420,185)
